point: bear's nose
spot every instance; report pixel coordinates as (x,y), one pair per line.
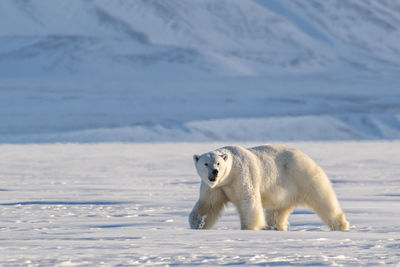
(215,172)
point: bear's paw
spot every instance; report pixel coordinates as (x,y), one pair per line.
(197,221)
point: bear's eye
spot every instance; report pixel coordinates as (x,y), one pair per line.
(217,163)
(205,164)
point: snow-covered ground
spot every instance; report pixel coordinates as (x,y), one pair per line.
(127,204)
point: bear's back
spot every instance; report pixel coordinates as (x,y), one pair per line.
(290,161)
(265,156)
(271,150)
(285,158)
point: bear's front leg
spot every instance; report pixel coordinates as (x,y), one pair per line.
(196,221)
(205,215)
(208,208)
(251,213)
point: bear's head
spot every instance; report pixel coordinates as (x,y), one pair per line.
(213,168)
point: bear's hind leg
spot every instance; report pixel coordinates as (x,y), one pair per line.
(278,219)
(336,220)
(327,208)
(271,218)
(339,223)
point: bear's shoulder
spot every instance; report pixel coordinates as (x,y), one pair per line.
(233,150)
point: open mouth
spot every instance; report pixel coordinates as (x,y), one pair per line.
(213,175)
(212,179)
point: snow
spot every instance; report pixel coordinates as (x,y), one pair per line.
(127,204)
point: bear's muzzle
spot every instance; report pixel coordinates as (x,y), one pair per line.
(213,176)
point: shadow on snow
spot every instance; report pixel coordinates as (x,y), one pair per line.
(26,203)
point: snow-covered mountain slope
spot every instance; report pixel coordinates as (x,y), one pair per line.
(161,70)
(228,37)
(357,30)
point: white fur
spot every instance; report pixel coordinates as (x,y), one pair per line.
(271,177)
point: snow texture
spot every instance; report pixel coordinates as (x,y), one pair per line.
(128,204)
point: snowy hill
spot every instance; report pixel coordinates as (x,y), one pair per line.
(73,66)
(231,37)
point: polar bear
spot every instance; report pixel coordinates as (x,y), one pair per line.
(271,177)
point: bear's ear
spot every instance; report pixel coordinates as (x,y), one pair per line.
(224,156)
(196,158)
